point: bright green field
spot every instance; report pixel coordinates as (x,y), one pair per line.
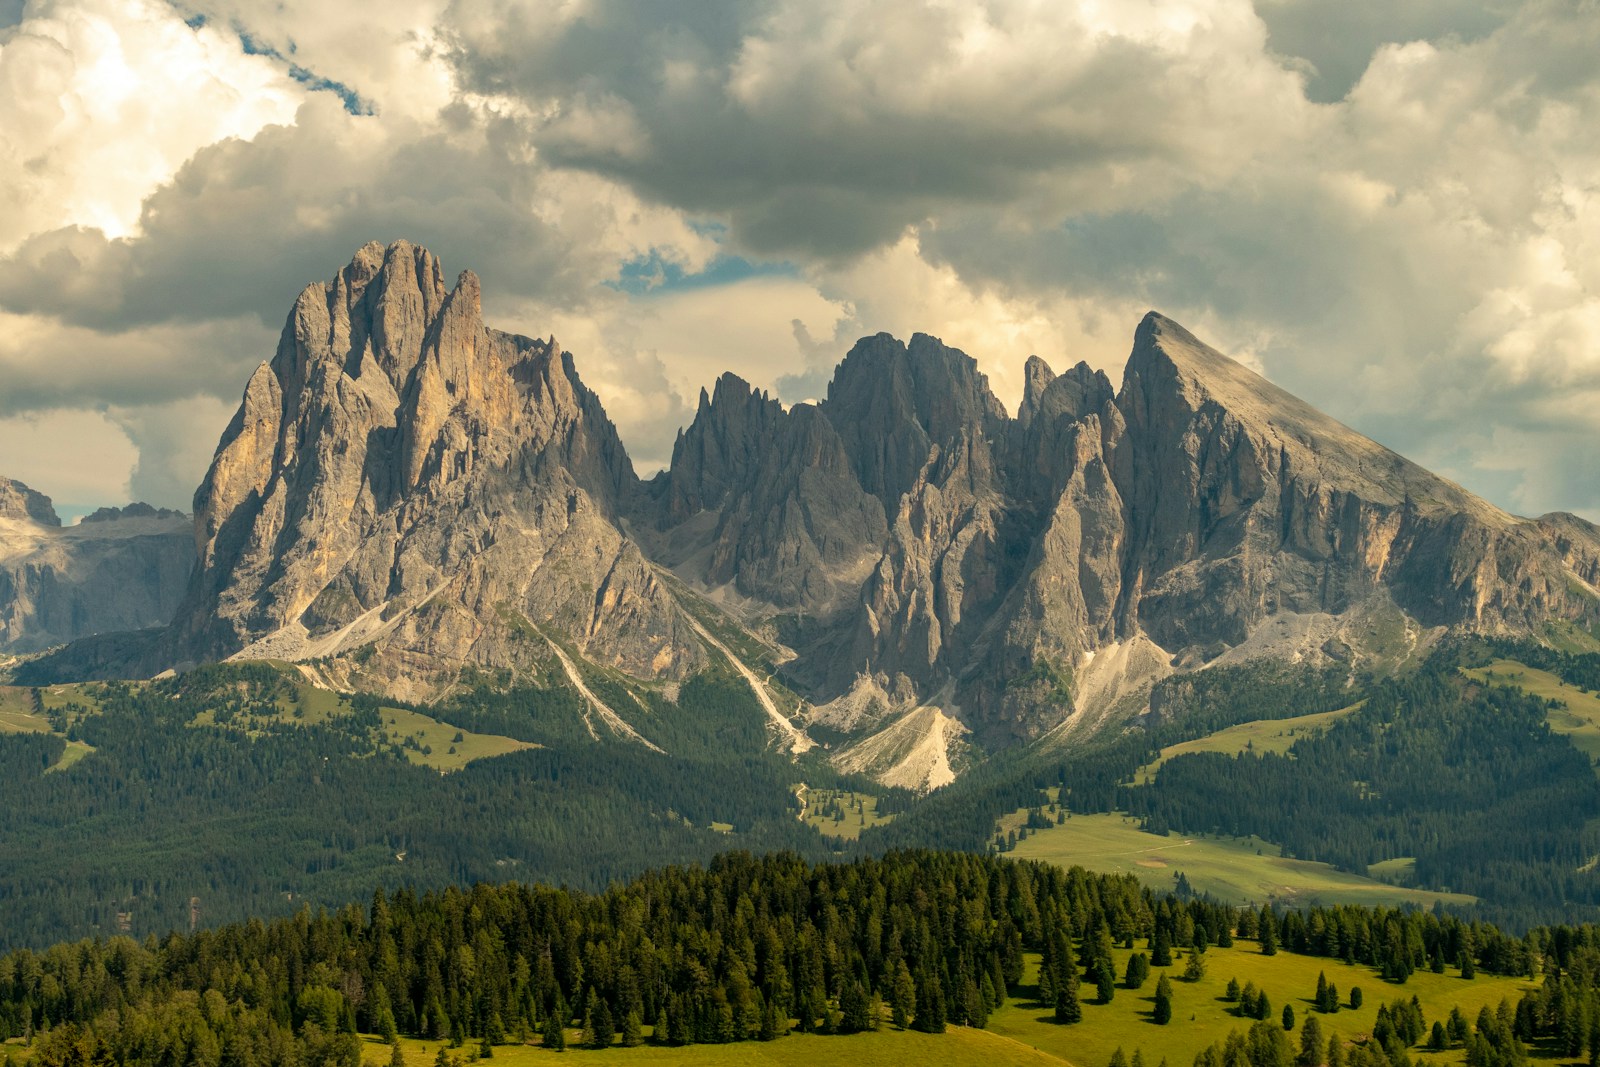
(1201,1016)
(1579,720)
(311,705)
(957,1047)
(1262,735)
(17,717)
(817,802)
(16,712)
(1234,870)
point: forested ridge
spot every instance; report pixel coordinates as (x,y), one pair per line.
(254,814)
(744,948)
(1469,780)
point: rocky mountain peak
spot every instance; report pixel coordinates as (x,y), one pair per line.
(17,501)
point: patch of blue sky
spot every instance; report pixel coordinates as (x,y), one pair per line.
(310,79)
(654,274)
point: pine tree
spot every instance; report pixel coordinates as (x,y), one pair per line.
(1322,993)
(1335,1056)
(1231,994)
(1067,1007)
(1194,968)
(902,996)
(555,1033)
(930,1017)
(1269,932)
(853,1008)
(632,1030)
(1163,1012)
(1312,1044)
(1119,1058)
(397,1057)
(1161,949)
(1288,1016)
(1138,971)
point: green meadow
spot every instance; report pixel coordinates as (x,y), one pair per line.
(842,813)
(1022,1033)
(1579,719)
(1236,870)
(1262,735)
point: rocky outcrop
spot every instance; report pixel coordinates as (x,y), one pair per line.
(402,479)
(762,503)
(19,503)
(405,490)
(1244,502)
(126,570)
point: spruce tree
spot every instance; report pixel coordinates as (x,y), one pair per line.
(1312,1043)
(397,1056)
(1288,1016)
(902,996)
(555,1033)
(1161,949)
(1163,1011)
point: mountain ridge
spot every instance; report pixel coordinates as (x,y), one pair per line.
(405,493)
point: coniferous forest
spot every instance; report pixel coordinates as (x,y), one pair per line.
(742,949)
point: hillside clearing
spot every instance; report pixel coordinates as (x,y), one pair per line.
(1237,871)
(1260,735)
(1579,720)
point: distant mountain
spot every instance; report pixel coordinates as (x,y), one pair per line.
(119,569)
(412,500)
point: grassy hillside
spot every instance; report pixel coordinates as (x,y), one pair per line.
(1021,1033)
(1262,735)
(841,813)
(1201,1015)
(1235,870)
(1579,719)
(958,1047)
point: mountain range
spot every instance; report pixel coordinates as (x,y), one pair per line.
(407,501)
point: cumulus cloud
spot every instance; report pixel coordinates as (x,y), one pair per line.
(105,99)
(1390,211)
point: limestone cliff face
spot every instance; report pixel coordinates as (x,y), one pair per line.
(404,488)
(763,504)
(1244,502)
(399,476)
(119,569)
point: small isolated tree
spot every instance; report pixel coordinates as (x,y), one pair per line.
(1105,985)
(1138,970)
(1288,1016)
(1163,1012)
(1161,948)
(1312,1043)
(1119,1058)
(555,1033)
(1194,968)
(1355,998)
(1231,994)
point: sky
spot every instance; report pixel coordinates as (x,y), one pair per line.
(1391,210)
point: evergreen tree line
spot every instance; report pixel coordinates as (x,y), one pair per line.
(202,787)
(1469,780)
(742,949)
